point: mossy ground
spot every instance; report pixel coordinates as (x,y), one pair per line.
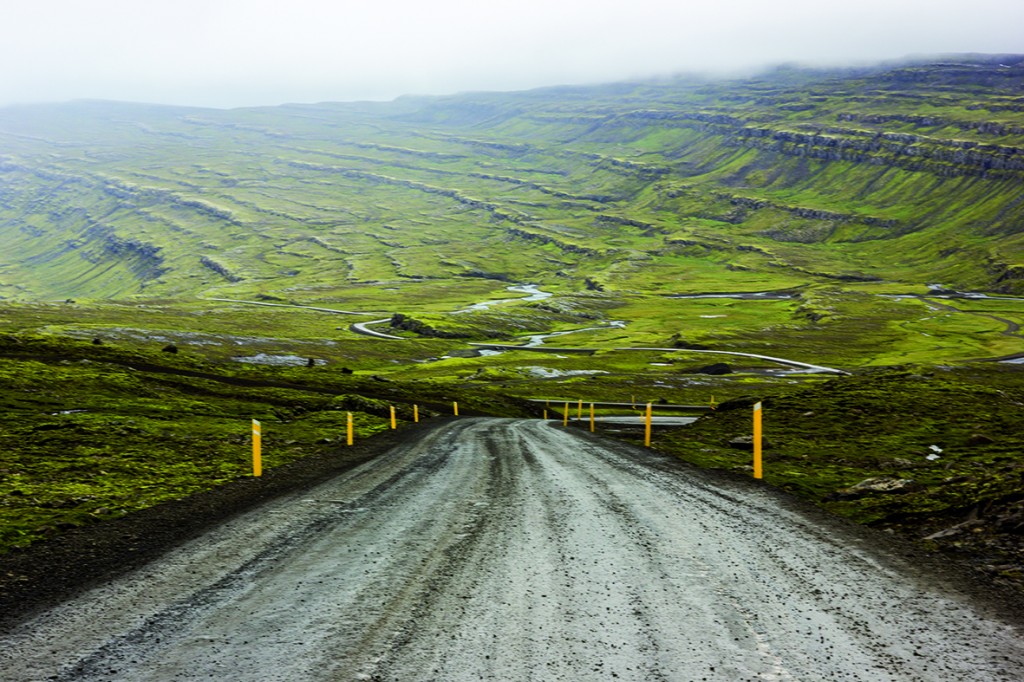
(952,433)
(90,432)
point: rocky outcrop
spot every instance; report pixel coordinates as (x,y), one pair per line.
(531,185)
(939,156)
(945,158)
(811,213)
(714,369)
(604,220)
(497,276)
(813,234)
(837,276)
(880,485)
(984,127)
(421,153)
(677,341)
(547,239)
(496,211)
(141,195)
(219,268)
(643,171)
(1009,279)
(409,324)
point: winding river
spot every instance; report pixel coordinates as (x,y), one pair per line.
(536,341)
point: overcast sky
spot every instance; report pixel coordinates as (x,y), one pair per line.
(227,53)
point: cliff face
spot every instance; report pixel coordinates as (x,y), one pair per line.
(942,157)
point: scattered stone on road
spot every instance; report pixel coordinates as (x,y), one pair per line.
(516,550)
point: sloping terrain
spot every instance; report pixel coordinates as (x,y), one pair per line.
(829,217)
(514,549)
(794,177)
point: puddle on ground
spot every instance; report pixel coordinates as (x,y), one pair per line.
(277,360)
(548,373)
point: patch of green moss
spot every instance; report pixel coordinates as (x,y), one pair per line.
(952,431)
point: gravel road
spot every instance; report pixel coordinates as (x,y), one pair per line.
(518,550)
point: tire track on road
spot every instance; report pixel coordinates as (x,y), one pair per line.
(512,549)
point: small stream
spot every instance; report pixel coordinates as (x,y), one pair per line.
(745,296)
(535,294)
(939,291)
(538,339)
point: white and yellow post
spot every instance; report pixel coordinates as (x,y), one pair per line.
(394,424)
(349,430)
(757,440)
(257,449)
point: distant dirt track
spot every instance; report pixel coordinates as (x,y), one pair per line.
(519,550)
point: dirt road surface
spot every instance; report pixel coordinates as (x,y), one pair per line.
(518,550)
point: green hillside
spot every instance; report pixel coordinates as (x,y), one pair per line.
(826,217)
(909,175)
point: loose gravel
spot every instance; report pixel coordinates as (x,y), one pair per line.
(518,550)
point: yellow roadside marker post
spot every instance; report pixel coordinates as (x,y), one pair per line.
(394,425)
(545,415)
(647,427)
(455,408)
(713,403)
(416,414)
(565,415)
(257,449)
(757,440)
(348,438)
(591,417)
(579,410)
